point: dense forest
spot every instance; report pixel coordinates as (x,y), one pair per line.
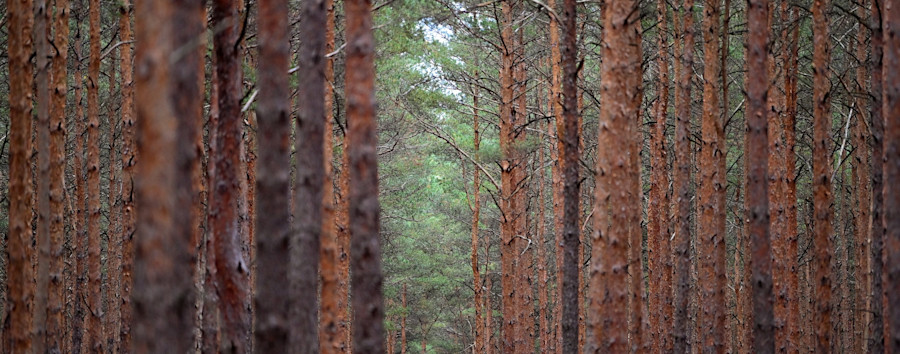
(436,176)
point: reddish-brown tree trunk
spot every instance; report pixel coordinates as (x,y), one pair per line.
(365,253)
(331,323)
(682,179)
(163,289)
(273,180)
(304,270)
(569,153)
(232,270)
(863,194)
(41,159)
(17,327)
(621,93)
(712,186)
(56,326)
(821,155)
(756,197)
(658,229)
(891,81)
(476,214)
(128,165)
(92,325)
(403,321)
(556,151)
(877,231)
(78,308)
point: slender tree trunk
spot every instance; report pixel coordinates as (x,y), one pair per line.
(163,295)
(94,303)
(877,231)
(892,172)
(42,103)
(681,181)
(403,321)
(113,265)
(368,303)
(712,185)
(569,152)
(508,259)
(56,328)
(331,323)
(476,213)
(757,186)
(128,164)
(273,180)
(863,200)
(210,326)
(232,270)
(17,327)
(555,107)
(343,221)
(543,281)
(658,229)
(822,161)
(621,72)
(78,309)
(304,271)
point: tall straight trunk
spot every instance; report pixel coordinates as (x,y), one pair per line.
(488,304)
(42,103)
(822,153)
(365,253)
(304,270)
(17,327)
(712,185)
(209,329)
(342,219)
(78,308)
(621,88)
(658,229)
(524,253)
(791,328)
(892,172)
(681,186)
(403,321)
(757,184)
(331,332)
(232,270)
(569,154)
(273,180)
(510,213)
(555,107)
(163,295)
(476,214)
(56,327)
(863,194)
(128,165)
(543,280)
(94,301)
(113,257)
(723,73)
(877,231)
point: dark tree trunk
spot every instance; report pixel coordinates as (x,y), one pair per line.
(571,191)
(876,295)
(891,81)
(128,165)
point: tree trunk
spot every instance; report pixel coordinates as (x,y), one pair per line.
(658,229)
(569,153)
(877,231)
(822,175)
(712,188)
(368,303)
(128,165)
(304,270)
(792,322)
(113,257)
(56,326)
(681,186)
(403,321)
(78,309)
(756,197)
(163,295)
(20,287)
(332,315)
(232,270)
(94,301)
(621,88)
(476,213)
(863,194)
(42,103)
(892,173)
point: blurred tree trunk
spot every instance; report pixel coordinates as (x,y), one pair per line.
(891,88)
(41,159)
(877,231)
(128,164)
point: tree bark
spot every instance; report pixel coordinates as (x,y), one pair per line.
(658,229)
(367,279)
(304,271)
(42,103)
(712,188)
(476,213)
(863,193)
(621,94)
(94,301)
(822,175)
(163,295)
(56,326)
(569,153)
(682,179)
(17,327)
(78,309)
(757,187)
(555,107)
(877,231)
(403,321)
(891,112)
